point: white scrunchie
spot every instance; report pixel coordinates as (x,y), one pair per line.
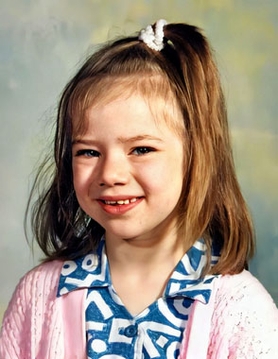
(154,39)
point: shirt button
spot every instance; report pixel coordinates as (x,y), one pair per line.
(131,331)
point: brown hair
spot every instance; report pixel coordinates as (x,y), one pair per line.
(211,205)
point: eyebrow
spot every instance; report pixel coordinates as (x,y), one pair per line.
(138,138)
(121,139)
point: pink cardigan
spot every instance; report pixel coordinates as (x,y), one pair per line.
(239,322)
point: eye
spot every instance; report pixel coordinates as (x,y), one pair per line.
(140,151)
(87,153)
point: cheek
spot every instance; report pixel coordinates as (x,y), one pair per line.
(81,179)
(76,177)
(164,177)
(174,174)
(82,190)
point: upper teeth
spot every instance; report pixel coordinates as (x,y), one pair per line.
(121,201)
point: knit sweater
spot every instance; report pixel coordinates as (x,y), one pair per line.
(239,322)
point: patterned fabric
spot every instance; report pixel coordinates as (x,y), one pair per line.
(112,332)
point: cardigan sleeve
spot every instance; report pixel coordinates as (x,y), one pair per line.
(33,314)
(245,320)
(15,324)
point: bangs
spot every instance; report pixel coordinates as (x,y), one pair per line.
(101,90)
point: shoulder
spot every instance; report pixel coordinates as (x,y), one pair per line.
(243,290)
(245,318)
(36,289)
(33,308)
(243,283)
(47,270)
(40,283)
(41,279)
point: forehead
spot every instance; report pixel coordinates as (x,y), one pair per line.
(125,119)
(98,92)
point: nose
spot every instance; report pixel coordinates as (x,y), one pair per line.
(113,171)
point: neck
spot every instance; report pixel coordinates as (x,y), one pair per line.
(141,268)
(144,253)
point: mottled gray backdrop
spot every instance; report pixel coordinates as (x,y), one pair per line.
(42,44)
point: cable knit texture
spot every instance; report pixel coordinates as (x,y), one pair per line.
(240,321)
(32,325)
(244,321)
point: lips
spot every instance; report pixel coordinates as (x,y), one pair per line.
(120,201)
(119,205)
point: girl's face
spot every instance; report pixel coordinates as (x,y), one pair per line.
(128,170)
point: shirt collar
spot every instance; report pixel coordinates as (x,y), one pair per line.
(187,279)
(92,270)
(89,271)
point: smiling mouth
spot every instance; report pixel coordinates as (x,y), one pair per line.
(120,201)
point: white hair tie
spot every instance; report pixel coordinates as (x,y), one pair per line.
(154,39)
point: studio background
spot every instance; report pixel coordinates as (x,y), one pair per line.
(43,42)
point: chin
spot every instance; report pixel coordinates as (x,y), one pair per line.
(123,235)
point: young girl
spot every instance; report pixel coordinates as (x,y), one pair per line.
(143,224)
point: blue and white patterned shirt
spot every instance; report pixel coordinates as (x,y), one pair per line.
(112,332)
